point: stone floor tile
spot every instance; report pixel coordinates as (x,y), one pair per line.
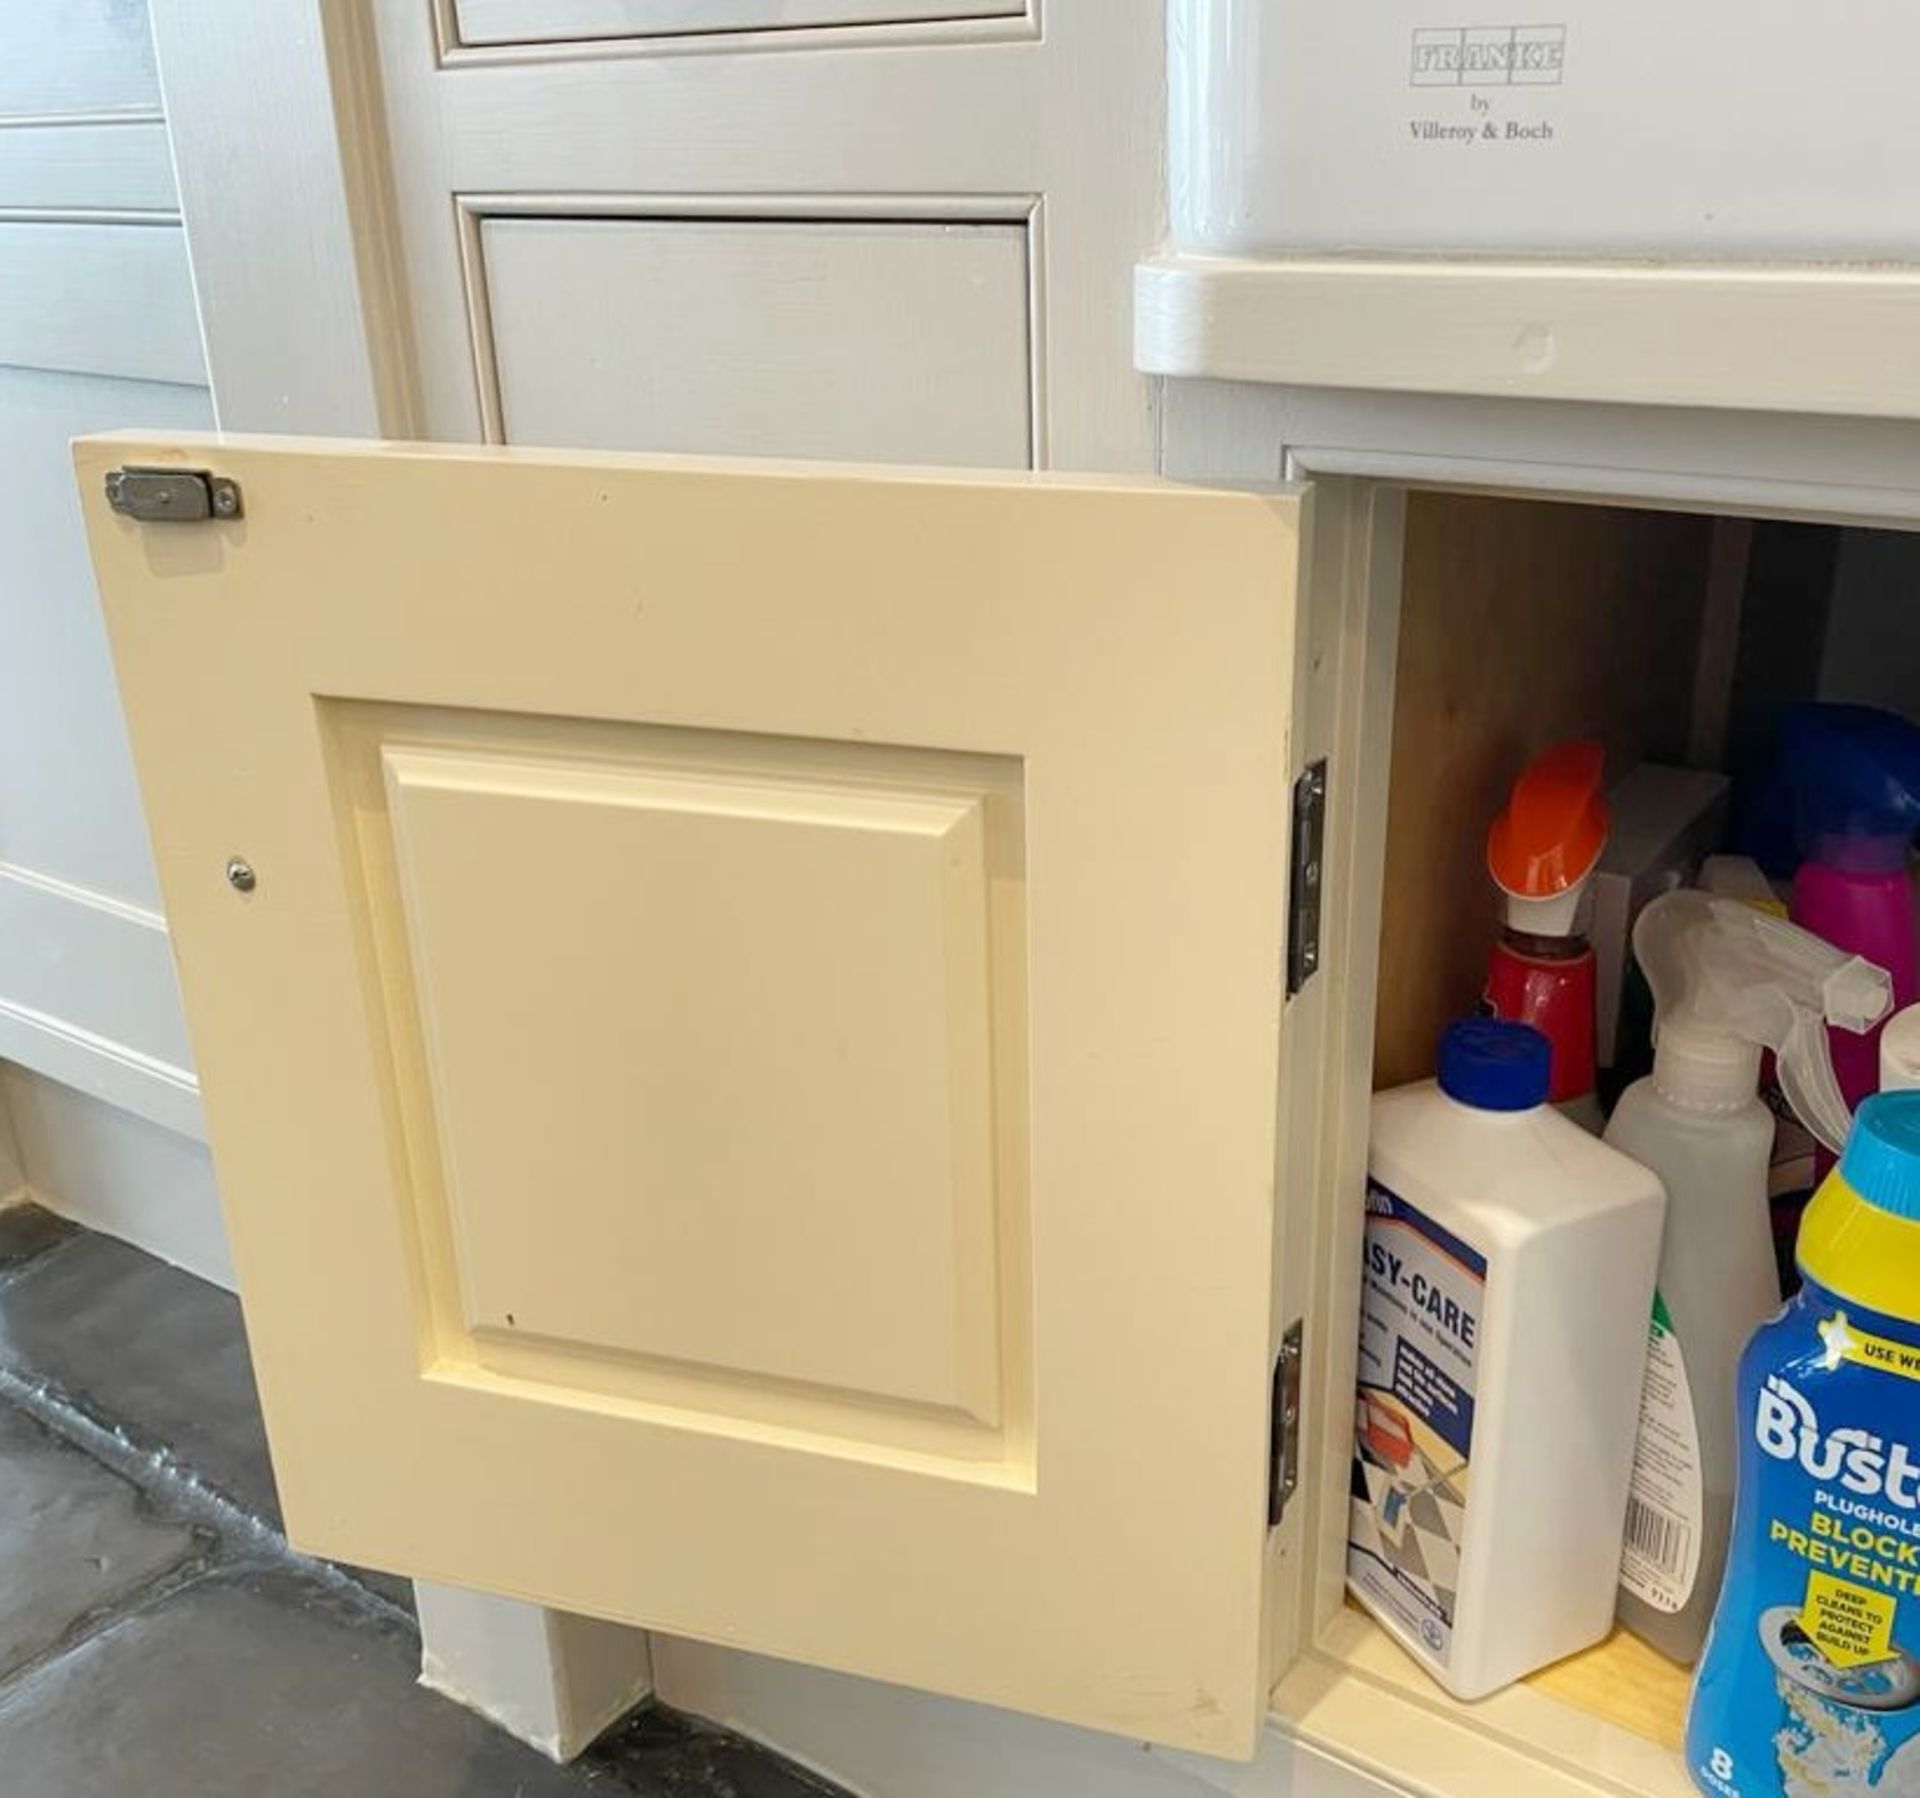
(150,1349)
(26,1231)
(659,1751)
(74,1540)
(256,1685)
(141,1654)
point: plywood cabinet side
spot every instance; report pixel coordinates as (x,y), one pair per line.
(1522,623)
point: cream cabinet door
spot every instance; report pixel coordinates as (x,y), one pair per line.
(738,1007)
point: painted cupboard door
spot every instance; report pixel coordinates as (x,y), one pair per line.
(738,1009)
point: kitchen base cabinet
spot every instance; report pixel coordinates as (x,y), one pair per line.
(1503,622)
(787,1045)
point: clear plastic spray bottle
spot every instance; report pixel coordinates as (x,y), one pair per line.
(1727,982)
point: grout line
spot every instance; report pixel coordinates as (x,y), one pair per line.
(179,1577)
(231,1540)
(158,1472)
(19,1268)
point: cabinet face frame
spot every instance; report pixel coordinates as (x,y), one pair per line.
(1344,1690)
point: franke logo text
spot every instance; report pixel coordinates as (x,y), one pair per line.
(1489,55)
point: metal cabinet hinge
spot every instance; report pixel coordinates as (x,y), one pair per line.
(172,495)
(1283,1466)
(1303,898)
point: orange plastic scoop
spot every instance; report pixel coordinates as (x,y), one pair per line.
(1555,824)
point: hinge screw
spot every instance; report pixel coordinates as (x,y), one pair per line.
(240,875)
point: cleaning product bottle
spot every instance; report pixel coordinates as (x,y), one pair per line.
(1727,981)
(1845,787)
(1542,852)
(1799,1158)
(1811,1678)
(1509,1263)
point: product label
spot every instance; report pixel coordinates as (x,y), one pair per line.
(1661,1560)
(1421,1298)
(1811,1680)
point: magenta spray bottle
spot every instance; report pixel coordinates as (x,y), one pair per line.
(1837,812)
(1854,776)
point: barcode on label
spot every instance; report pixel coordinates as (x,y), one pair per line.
(1658,1536)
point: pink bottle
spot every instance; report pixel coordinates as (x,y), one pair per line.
(1869,913)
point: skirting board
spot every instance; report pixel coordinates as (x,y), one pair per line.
(893,1743)
(1337,1731)
(104,1104)
(118,1174)
(88,997)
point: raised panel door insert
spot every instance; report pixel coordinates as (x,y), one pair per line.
(708,1066)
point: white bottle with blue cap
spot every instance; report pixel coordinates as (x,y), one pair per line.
(1508,1271)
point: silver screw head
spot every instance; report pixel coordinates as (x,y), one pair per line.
(240,875)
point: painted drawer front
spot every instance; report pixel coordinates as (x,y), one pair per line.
(872,342)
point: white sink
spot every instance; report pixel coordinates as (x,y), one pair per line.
(1716,130)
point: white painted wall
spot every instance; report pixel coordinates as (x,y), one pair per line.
(97,331)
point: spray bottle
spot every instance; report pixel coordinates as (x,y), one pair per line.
(1839,812)
(1727,982)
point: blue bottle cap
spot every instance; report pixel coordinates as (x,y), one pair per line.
(1494,1065)
(1881,1161)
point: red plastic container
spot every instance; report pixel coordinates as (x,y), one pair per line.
(1548,982)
